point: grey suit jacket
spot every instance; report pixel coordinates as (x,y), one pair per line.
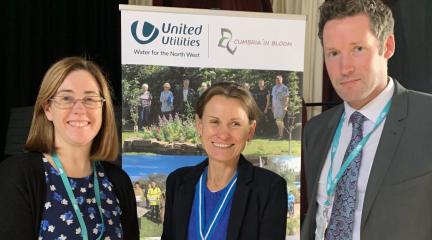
(398,200)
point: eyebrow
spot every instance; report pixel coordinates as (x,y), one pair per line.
(71,91)
(330,49)
(232,119)
(351,44)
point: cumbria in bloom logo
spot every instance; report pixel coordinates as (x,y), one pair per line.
(146,34)
(225,41)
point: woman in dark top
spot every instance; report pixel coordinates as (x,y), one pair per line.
(61,188)
(225,196)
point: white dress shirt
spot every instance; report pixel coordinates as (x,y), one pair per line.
(371,111)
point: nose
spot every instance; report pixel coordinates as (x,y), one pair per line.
(347,65)
(224,132)
(78,106)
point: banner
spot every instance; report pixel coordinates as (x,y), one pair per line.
(169,57)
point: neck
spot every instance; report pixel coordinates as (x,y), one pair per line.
(363,102)
(220,174)
(76,163)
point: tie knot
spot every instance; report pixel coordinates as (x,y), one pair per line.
(357,118)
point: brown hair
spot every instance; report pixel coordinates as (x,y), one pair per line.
(380,16)
(229,90)
(105,145)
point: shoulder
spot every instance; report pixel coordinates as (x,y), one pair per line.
(29,162)
(115,174)
(184,175)
(258,178)
(323,118)
(23,174)
(418,109)
(178,175)
(419,98)
(266,178)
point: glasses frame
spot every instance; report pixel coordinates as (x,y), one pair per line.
(58,104)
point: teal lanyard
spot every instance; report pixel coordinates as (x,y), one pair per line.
(332,182)
(73,200)
(205,232)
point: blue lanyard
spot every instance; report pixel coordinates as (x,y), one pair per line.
(73,200)
(205,232)
(332,182)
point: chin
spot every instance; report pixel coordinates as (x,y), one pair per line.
(223,158)
(81,142)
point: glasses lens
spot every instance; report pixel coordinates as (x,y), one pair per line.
(66,101)
(92,102)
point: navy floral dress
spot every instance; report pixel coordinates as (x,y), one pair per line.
(58,218)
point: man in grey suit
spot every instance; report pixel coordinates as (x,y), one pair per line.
(368,161)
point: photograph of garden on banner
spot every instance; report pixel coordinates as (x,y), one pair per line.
(159,134)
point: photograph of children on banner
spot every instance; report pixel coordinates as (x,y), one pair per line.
(159,133)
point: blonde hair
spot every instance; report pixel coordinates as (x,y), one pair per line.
(41,137)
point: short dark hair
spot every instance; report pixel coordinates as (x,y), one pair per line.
(380,15)
(230,90)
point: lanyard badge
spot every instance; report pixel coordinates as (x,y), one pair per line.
(205,231)
(324,215)
(73,200)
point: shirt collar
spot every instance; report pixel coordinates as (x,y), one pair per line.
(372,110)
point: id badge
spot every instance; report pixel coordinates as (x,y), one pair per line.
(322,223)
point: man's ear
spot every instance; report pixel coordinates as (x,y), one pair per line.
(389,46)
(47,111)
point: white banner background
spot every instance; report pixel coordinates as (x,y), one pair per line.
(258,41)
(261,43)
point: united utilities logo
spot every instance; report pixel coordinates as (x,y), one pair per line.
(225,41)
(148,32)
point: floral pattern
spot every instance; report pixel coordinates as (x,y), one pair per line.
(59,220)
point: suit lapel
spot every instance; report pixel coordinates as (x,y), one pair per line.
(185,196)
(319,157)
(241,196)
(390,137)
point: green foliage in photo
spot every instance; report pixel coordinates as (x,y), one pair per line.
(174,129)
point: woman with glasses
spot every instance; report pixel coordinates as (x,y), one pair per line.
(64,187)
(225,196)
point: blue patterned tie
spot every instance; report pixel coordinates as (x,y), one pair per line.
(342,216)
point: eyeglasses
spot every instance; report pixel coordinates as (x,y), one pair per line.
(67,101)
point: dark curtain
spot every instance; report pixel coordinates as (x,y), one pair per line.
(238,5)
(411,64)
(38,33)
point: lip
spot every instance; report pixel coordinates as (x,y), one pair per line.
(348,81)
(78,123)
(222,145)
